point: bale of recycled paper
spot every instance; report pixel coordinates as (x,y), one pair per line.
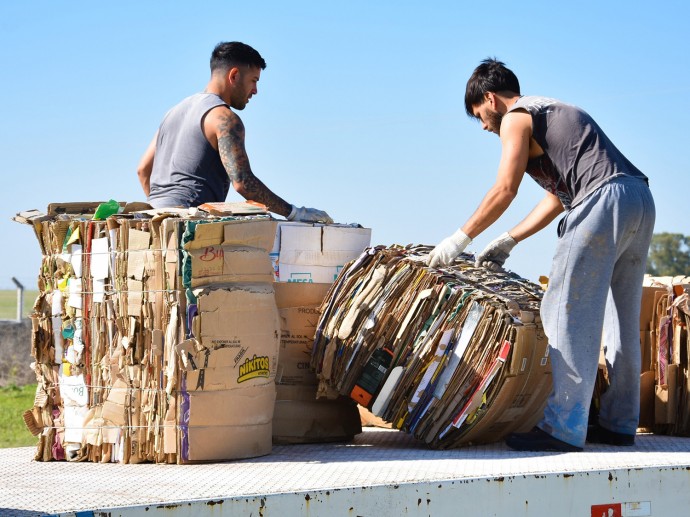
(452,356)
(128,370)
(228,387)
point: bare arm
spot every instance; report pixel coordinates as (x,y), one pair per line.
(146,166)
(516,130)
(539,218)
(228,130)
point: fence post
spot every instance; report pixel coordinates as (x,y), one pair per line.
(20,298)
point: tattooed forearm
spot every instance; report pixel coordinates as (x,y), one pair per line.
(236,163)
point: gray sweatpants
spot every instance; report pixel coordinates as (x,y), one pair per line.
(595,284)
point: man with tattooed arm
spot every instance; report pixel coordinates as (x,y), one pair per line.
(198,150)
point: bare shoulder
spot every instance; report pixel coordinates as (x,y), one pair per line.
(516,125)
(221,122)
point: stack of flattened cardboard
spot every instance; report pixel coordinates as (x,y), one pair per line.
(156,336)
(307,258)
(665,377)
(104,392)
(230,356)
(452,356)
(146,326)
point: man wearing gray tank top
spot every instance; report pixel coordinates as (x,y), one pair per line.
(198,150)
(595,285)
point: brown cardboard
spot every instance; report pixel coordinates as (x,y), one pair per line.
(647,400)
(230,371)
(666,403)
(298,306)
(235,323)
(217,443)
(524,389)
(228,408)
(300,295)
(225,378)
(224,264)
(647,306)
(256,234)
(253,233)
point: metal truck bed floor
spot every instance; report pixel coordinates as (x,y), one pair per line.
(381,472)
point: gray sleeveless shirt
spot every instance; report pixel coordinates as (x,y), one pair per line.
(187,170)
(578,157)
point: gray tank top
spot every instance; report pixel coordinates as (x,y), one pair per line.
(187,170)
(578,157)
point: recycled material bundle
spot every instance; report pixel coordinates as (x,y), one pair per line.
(665,377)
(452,356)
(157,333)
(142,338)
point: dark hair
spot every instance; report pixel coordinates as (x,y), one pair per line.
(490,76)
(233,53)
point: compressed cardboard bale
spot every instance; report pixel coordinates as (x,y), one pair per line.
(111,317)
(228,386)
(451,356)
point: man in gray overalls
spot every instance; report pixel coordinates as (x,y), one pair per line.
(597,271)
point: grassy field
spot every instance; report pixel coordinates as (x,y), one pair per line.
(14,400)
(8,303)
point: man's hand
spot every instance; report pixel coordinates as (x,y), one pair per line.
(309,215)
(495,254)
(449,248)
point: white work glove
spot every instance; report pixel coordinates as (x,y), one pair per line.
(309,215)
(449,248)
(496,252)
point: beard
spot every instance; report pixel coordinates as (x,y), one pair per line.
(494,122)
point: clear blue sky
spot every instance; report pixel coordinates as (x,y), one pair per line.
(359,112)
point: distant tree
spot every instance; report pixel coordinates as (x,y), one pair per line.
(669,255)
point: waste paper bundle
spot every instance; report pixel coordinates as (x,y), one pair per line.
(156,334)
(664,376)
(452,356)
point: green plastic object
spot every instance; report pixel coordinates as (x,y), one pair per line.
(105,210)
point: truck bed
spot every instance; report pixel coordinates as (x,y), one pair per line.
(381,472)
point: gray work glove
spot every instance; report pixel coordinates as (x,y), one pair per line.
(496,252)
(449,248)
(309,215)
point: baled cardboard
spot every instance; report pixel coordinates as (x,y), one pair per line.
(230,370)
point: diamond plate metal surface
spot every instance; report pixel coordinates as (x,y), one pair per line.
(374,458)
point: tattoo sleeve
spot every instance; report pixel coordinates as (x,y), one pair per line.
(236,163)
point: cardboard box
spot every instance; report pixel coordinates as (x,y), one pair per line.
(313,253)
(298,307)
